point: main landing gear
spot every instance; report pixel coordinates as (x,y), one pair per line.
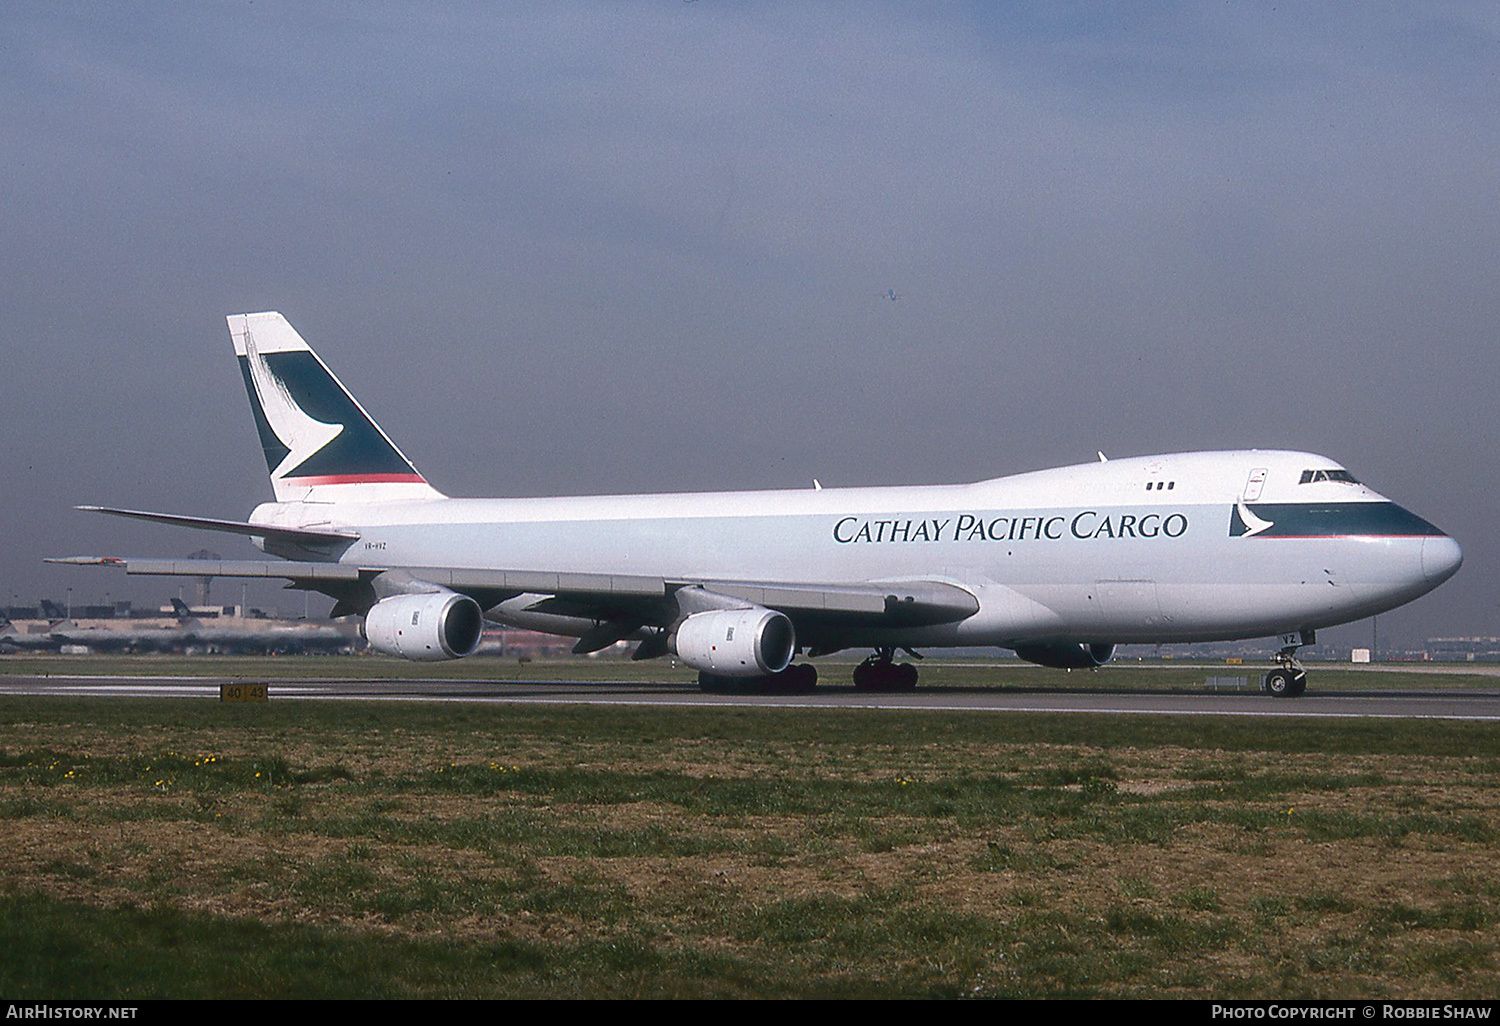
(881,673)
(1289,679)
(796,679)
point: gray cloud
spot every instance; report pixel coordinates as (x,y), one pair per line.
(600,247)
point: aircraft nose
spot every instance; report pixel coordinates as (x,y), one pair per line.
(1441,558)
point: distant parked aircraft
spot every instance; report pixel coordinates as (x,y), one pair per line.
(273,636)
(190,632)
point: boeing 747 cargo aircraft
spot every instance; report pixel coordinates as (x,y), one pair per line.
(1059,565)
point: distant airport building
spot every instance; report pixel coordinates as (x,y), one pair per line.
(208,628)
(204,584)
(1471,650)
(514,643)
(119,627)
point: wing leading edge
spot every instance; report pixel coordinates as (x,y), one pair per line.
(596,596)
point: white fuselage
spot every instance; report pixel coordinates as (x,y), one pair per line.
(1183,547)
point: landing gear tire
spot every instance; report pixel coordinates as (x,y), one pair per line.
(797,679)
(1289,679)
(1286,682)
(879,673)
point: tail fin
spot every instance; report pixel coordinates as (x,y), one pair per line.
(320,444)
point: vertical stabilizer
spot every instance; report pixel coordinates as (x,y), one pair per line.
(320,444)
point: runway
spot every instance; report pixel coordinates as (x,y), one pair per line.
(1435,703)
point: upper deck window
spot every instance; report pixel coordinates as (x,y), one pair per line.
(1344,476)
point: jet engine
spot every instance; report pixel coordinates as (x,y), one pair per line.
(1065,656)
(426,627)
(737,642)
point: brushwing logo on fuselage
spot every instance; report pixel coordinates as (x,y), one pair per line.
(302,435)
(1244,524)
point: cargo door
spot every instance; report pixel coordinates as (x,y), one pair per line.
(1129,607)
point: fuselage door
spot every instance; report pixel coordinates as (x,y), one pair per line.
(1128,606)
(1256,482)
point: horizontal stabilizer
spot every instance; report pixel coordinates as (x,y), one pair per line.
(303,535)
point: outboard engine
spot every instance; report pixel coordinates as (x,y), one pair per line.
(425,627)
(737,642)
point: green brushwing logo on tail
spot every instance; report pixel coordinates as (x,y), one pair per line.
(311,430)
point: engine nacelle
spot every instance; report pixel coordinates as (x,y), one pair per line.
(426,627)
(737,642)
(1065,656)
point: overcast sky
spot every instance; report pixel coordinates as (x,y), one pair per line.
(601,247)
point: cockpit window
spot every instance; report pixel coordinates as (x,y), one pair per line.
(1344,476)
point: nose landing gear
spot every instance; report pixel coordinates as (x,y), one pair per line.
(1289,679)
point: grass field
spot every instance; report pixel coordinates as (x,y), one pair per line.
(187,849)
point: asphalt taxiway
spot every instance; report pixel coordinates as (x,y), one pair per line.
(1436,703)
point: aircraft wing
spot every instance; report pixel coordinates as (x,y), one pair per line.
(288,570)
(908,603)
(598,596)
(304,535)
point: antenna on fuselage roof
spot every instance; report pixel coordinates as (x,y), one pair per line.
(1103,458)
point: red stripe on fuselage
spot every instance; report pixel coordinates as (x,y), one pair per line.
(338,479)
(1346,537)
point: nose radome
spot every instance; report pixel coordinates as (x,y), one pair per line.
(1441,558)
